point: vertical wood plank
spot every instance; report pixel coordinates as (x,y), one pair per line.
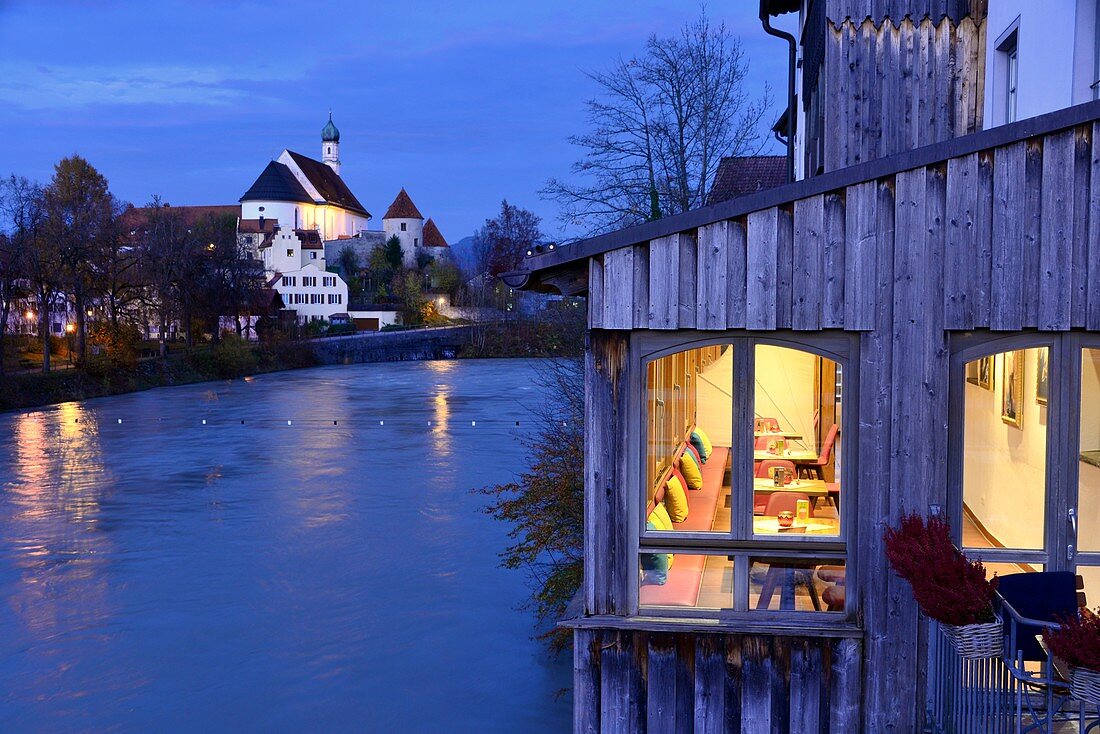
(762,269)
(737,252)
(807,680)
(710,685)
(983,241)
(618,289)
(686,286)
(861,223)
(664,282)
(641,286)
(1007,287)
(756,695)
(595,292)
(1056,248)
(1079,275)
(809,263)
(1093,253)
(662,686)
(622,699)
(784,239)
(609,569)
(832,296)
(1033,228)
(875,402)
(712,276)
(586,682)
(961,246)
(844,693)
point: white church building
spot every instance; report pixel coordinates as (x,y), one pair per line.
(300,208)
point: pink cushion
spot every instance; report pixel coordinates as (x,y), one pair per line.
(686,575)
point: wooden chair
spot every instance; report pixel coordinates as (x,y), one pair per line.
(816,468)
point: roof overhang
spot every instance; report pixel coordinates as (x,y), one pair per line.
(566,266)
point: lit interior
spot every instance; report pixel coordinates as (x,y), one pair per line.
(795,434)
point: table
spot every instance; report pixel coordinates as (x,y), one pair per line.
(811,487)
(795,455)
(778,434)
(769,525)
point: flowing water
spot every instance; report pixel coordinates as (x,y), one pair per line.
(246,574)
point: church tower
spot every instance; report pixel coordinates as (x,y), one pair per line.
(330,145)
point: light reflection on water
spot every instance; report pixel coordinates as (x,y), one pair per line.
(331,574)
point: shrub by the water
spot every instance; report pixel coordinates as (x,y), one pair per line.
(948,586)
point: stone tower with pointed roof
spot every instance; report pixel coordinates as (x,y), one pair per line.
(330,145)
(405,221)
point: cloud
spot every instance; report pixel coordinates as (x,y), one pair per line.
(38,87)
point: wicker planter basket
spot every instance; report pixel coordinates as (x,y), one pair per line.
(1085,685)
(976,641)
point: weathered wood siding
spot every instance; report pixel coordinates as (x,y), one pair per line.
(1002,239)
(896,80)
(669,683)
(1017,246)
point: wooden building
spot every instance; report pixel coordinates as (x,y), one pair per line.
(915,328)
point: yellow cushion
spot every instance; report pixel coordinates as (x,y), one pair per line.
(690,470)
(706,441)
(660,519)
(676,499)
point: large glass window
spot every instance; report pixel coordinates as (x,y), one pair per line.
(1088,483)
(742,474)
(1005,418)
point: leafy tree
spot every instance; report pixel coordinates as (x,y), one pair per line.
(545,506)
(658,128)
(79,214)
(11,272)
(347,262)
(444,276)
(392,252)
(406,288)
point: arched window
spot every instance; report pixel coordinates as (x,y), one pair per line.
(742,465)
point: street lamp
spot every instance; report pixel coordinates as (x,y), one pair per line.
(70,329)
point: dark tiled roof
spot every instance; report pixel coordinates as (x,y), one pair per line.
(277,183)
(432,236)
(328,183)
(403,208)
(740,175)
(310,238)
(252,226)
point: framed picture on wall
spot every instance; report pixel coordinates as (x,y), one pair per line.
(980,372)
(1012,388)
(1042,377)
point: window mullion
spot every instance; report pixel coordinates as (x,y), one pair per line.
(741,465)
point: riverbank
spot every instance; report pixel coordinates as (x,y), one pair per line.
(234,359)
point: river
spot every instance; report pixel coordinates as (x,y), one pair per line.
(298,551)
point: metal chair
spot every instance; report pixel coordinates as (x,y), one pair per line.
(1028,604)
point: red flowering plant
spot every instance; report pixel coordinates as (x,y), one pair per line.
(1077,640)
(949,587)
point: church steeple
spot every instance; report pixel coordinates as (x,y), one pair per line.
(330,145)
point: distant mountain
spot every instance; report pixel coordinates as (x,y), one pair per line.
(463,252)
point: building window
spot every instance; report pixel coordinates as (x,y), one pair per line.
(290,253)
(313,255)
(404,226)
(416,241)
(743,460)
(1008,69)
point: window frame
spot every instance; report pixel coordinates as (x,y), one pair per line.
(841,347)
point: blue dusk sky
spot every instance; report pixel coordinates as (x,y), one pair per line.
(461,103)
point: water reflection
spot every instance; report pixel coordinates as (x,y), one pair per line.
(291,577)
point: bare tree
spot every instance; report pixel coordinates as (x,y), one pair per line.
(11,273)
(164,248)
(504,239)
(41,259)
(659,126)
(117,281)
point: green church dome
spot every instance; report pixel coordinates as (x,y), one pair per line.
(329,133)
